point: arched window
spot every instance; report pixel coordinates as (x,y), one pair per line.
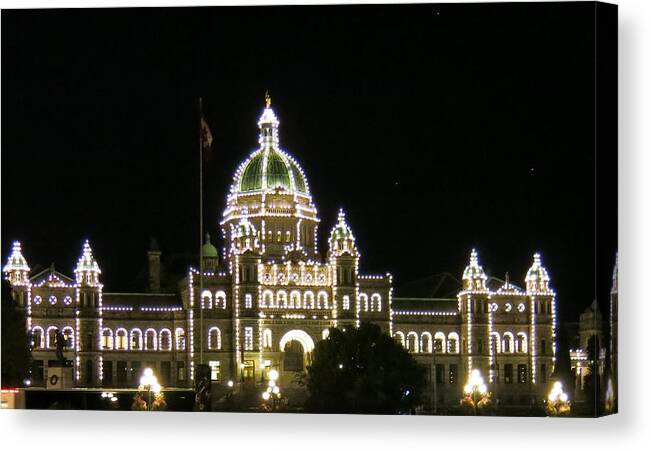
(52,300)
(425,341)
(453,343)
(308,300)
(38,338)
(136,339)
(281,299)
(52,337)
(267,299)
(507,342)
(179,336)
(521,342)
(214,338)
(322,300)
(325,334)
(295,299)
(412,342)
(220,300)
(439,343)
(107,338)
(165,340)
(495,343)
(376,302)
(150,340)
(363,302)
(266,339)
(206,299)
(69,337)
(121,340)
(400,337)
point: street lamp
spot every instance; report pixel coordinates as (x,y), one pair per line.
(272,394)
(475,391)
(149,383)
(558,402)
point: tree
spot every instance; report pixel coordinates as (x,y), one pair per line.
(363,370)
(15,341)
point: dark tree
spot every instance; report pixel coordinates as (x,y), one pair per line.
(363,370)
(15,341)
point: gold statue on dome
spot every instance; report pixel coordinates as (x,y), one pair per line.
(267,99)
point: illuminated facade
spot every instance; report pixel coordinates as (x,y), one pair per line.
(270,297)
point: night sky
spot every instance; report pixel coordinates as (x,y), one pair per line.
(437,127)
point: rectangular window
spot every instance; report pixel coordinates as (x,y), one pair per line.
(452,378)
(89,371)
(165,373)
(180,371)
(346,303)
(480,346)
(38,370)
(248,372)
(215,374)
(440,370)
(107,372)
(122,372)
(508,373)
(135,372)
(522,374)
(248,338)
(543,373)
(248,301)
(543,347)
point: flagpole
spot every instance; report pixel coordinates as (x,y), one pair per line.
(200,233)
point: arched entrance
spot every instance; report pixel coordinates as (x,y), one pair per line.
(297,347)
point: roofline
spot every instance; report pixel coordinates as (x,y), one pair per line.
(397,298)
(141,294)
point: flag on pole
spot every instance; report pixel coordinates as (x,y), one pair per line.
(206,139)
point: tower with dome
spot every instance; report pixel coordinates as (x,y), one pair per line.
(269,295)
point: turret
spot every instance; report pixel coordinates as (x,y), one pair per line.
(16,270)
(87,271)
(210,255)
(537,279)
(244,238)
(474,277)
(342,240)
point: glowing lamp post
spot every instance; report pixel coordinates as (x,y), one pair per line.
(557,401)
(271,395)
(149,383)
(475,391)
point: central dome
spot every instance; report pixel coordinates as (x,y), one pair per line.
(268,169)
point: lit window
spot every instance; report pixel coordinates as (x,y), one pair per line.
(266,339)
(121,340)
(215,374)
(248,338)
(107,339)
(214,338)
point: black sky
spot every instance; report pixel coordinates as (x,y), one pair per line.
(437,127)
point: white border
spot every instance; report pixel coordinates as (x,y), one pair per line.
(142,431)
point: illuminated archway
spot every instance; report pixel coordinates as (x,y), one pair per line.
(298,335)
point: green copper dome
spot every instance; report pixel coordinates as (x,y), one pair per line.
(270,169)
